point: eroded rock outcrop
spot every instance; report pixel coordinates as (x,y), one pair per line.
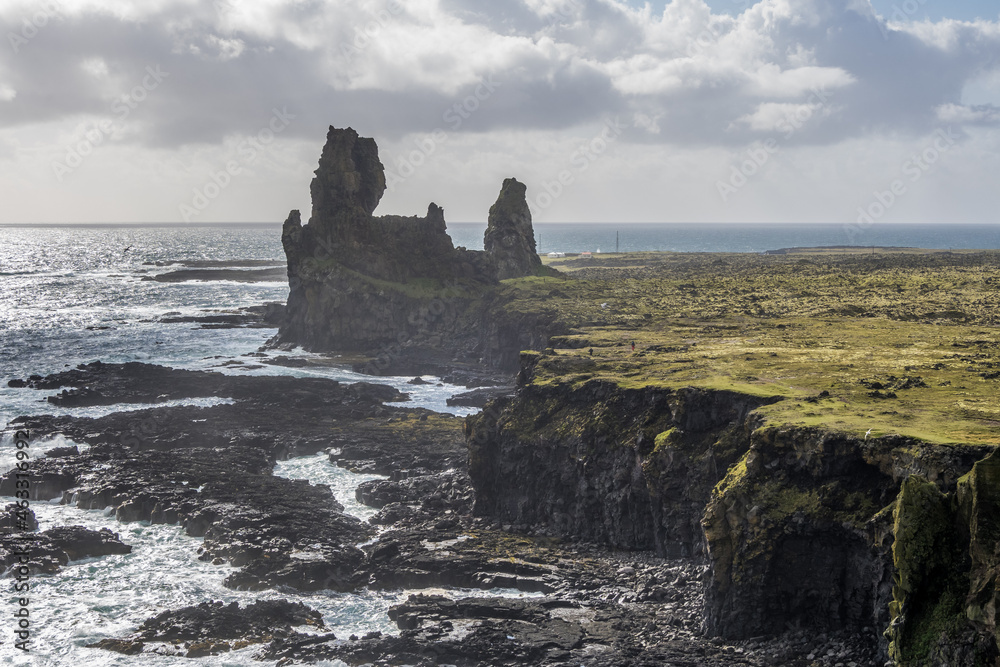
(47,552)
(510,239)
(632,469)
(212,628)
(890,539)
(394,286)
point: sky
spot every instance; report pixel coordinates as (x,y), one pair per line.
(858,112)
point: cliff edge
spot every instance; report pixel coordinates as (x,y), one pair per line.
(820,433)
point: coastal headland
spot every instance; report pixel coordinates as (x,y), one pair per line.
(711,459)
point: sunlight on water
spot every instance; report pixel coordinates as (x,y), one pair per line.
(75,295)
(318,470)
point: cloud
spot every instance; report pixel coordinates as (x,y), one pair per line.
(968,115)
(775,116)
(683,81)
(561,63)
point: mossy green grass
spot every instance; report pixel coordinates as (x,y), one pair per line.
(904,342)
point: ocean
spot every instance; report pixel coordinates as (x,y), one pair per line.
(75,294)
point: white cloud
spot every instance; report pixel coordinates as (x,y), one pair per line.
(777,116)
(962,115)
(693,87)
(771,81)
(227,48)
(95,67)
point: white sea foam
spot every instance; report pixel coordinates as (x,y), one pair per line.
(99,598)
(54,284)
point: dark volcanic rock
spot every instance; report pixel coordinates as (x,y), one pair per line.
(263,316)
(211,628)
(445,490)
(510,238)
(215,620)
(79,542)
(207,275)
(391,287)
(16,519)
(501,632)
(584,462)
(478,398)
(210,469)
(46,552)
(408,444)
(133,382)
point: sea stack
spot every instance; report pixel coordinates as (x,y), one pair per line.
(395,286)
(510,238)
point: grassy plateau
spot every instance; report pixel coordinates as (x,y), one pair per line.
(900,341)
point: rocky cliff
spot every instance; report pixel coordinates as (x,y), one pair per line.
(393,287)
(890,538)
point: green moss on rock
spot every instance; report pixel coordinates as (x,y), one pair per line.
(929,583)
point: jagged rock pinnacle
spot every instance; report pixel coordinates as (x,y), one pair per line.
(349,176)
(510,239)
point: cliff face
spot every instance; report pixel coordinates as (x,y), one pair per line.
(893,539)
(394,286)
(606,465)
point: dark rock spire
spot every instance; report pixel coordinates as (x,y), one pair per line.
(510,239)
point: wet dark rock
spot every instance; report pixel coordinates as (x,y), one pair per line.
(207,275)
(438,491)
(410,443)
(264,316)
(216,263)
(549,631)
(211,628)
(47,552)
(210,469)
(133,382)
(17,519)
(478,398)
(57,452)
(79,542)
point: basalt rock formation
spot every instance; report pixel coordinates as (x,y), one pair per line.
(393,286)
(509,236)
(892,539)
(211,628)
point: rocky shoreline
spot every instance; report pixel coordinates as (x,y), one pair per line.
(215,480)
(703,460)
